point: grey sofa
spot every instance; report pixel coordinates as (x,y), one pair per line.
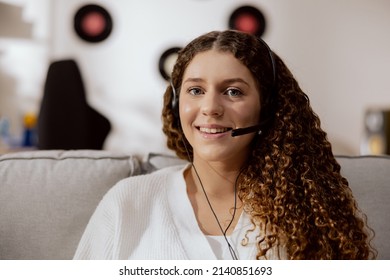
(47,197)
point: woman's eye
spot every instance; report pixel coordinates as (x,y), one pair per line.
(232,92)
(195,91)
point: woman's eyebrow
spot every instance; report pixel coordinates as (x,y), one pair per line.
(226,81)
(235,80)
(197,80)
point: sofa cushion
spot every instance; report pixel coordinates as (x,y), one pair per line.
(47,198)
(156,161)
(369,179)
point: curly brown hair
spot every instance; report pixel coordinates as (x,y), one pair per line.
(291,183)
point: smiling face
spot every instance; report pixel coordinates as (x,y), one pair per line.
(218,94)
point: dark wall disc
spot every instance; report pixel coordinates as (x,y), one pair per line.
(93,23)
(248,19)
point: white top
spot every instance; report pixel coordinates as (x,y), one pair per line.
(151,217)
(221,249)
(219,246)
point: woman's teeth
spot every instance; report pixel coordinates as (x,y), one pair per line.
(213,130)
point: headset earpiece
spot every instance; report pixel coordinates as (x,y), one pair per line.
(272,60)
(175,102)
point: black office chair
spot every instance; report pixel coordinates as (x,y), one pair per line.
(66,121)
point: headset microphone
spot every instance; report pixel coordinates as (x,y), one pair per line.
(246,130)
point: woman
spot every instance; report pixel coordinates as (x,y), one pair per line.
(262,182)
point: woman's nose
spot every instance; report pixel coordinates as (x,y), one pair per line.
(212,105)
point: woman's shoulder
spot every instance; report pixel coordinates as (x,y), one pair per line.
(154,182)
(159,174)
(138,192)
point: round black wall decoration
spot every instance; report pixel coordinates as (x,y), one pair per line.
(248,19)
(167,61)
(93,23)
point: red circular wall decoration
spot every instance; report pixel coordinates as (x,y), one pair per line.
(167,61)
(93,23)
(248,19)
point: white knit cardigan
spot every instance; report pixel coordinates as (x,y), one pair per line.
(151,217)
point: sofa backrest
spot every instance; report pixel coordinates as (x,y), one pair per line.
(47,198)
(369,179)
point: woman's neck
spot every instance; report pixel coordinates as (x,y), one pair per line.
(211,190)
(218,178)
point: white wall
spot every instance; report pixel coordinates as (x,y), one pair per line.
(338,50)
(121,73)
(24,31)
